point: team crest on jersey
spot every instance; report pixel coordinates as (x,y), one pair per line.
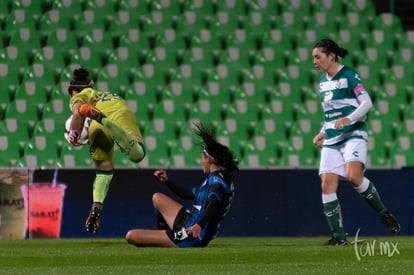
(357,77)
(337,84)
(328,96)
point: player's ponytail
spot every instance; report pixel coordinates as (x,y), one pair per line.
(220,153)
(329,46)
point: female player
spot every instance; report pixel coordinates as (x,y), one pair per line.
(343,138)
(114,122)
(195,227)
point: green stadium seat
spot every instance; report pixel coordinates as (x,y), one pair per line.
(74,156)
(184,153)
(308,123)
(93,18)
(240,127)
(395,88)
(369,73)
(140,104)
(299,7)
(42,150)
(11,146)
(346,39)
(125,19)
(23,110)
(158,149)
(365,9)
(377,125)
(59,18)
(59,45)
(311,100)
(233,7)
(290,23)
(259,153)
(63,5)
(36,81)
(191,23)
(260,22)
(324,22)
(378,151)
(54,115)
(388,22)
(277,105)
(403,57)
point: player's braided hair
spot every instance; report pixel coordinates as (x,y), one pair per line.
(329,46)
(220,153)
(80,81)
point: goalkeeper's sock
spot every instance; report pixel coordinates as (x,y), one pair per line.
(368,191)
(332,211)
(101,185)
(129,144)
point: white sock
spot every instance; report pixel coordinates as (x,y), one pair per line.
(363,187)
(329,197)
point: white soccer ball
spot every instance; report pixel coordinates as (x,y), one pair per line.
(83,139)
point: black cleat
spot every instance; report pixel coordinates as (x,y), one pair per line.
(391,222)
(336,242)
(94,218)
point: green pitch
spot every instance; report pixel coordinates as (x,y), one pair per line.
(306,255)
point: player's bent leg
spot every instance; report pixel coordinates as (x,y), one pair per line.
(167,207)
(129,144)
(136,151)
(143,237)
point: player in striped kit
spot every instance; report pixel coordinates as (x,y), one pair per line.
(343,138)
(198,225)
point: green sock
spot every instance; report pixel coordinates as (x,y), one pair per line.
(371,196)
(125,141)
(101,185)
(332,211)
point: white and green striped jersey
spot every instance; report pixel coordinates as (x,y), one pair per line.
(339,99)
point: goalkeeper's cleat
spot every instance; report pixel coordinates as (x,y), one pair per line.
(90,111)
(391,222)
(336,242)
(94,218)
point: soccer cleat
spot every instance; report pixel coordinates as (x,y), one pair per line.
(391,222)
(90,111)
(336,242)
(94,218)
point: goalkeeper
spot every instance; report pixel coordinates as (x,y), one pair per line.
(113,122)
(195,227)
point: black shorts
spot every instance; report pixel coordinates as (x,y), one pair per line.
(178,235)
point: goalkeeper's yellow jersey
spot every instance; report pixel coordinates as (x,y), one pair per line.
(106,102)
(115,108)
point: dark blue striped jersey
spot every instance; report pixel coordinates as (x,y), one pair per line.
(218,184)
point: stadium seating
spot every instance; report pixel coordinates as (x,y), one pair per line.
(246,66)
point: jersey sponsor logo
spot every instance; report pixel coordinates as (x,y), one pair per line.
(333,85)
(334,114)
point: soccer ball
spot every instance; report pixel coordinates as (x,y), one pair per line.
(83,139)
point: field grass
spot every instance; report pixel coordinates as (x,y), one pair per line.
(280,255)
